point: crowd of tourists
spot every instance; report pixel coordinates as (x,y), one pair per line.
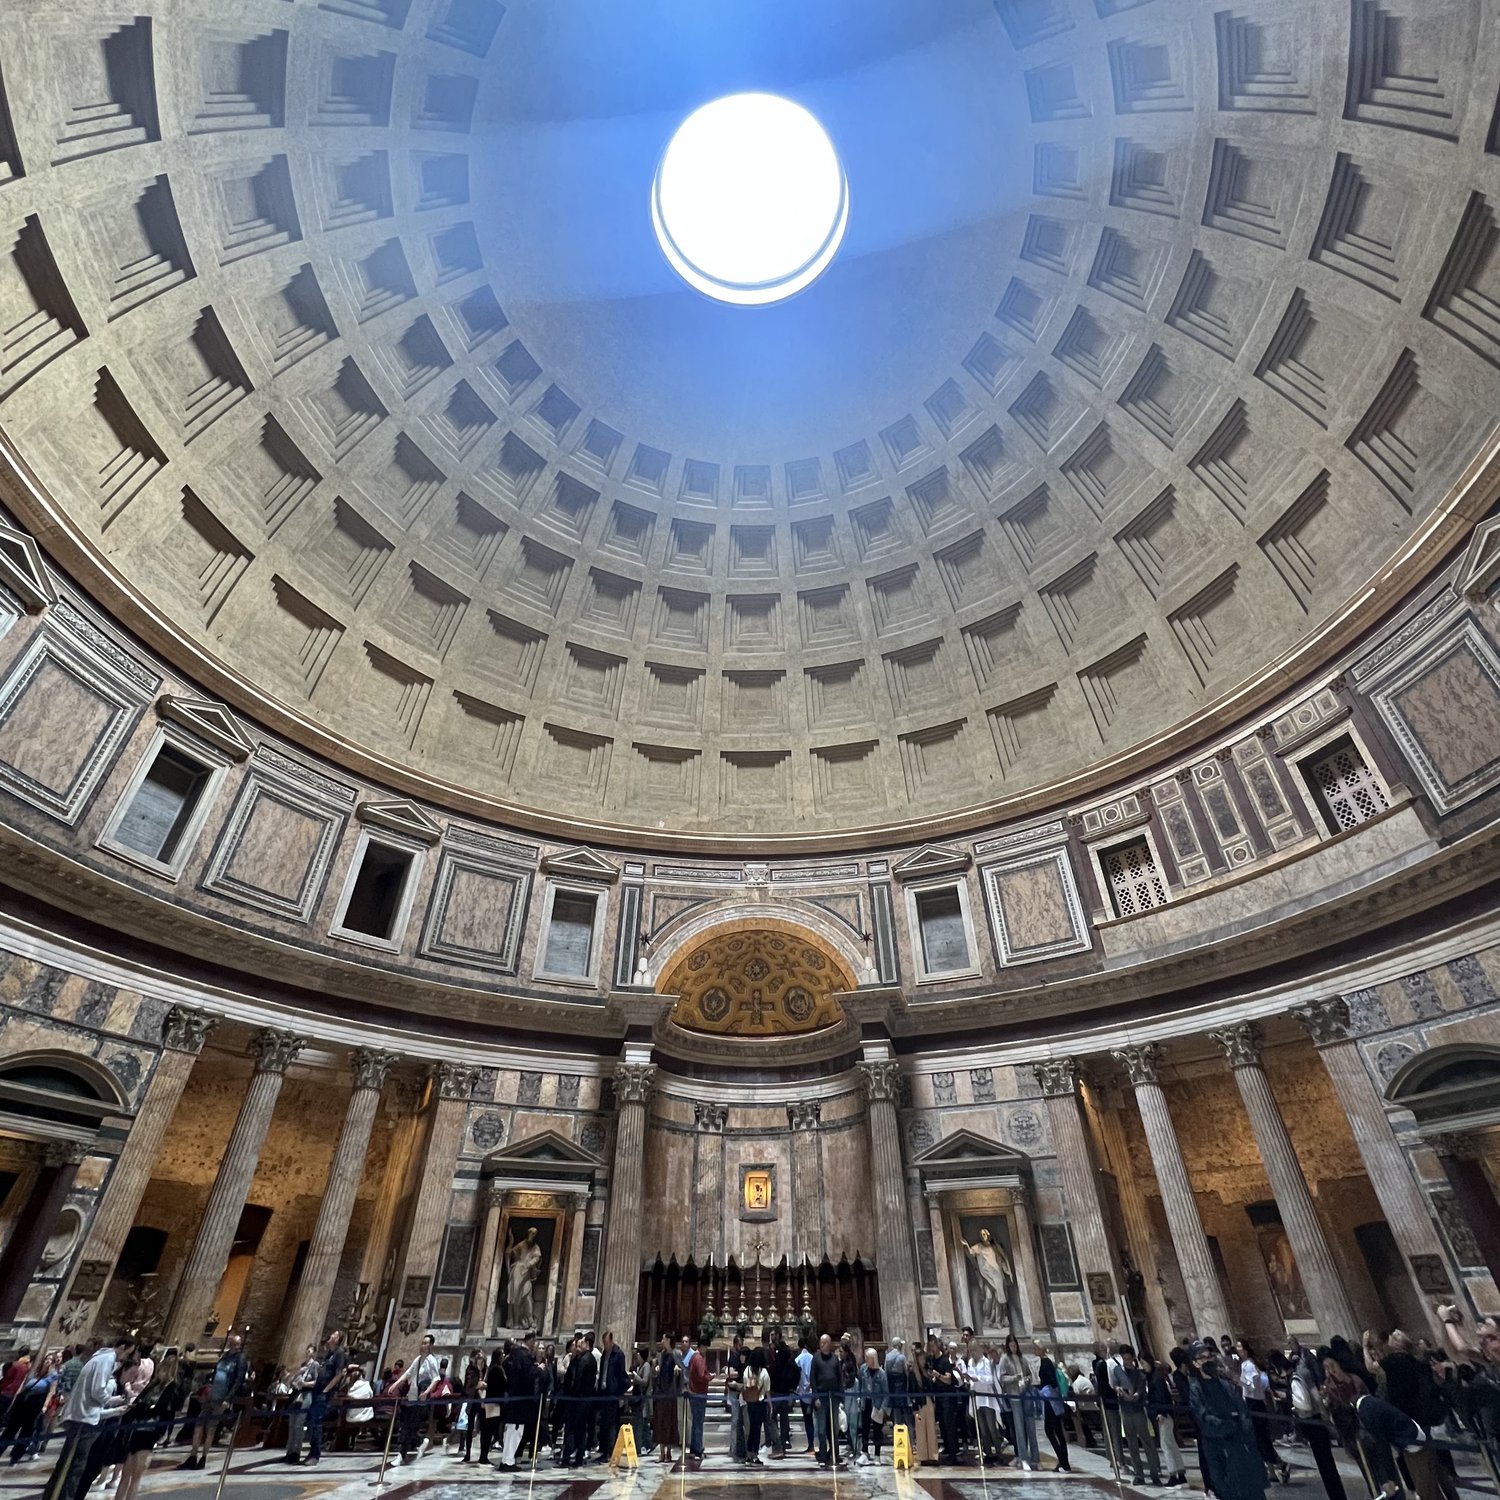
(1395,1405)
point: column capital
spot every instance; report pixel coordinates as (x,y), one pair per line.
(1057,1077)
(804,1114)
(1242,1043)
(1326,1020)
(1457,1145)
(634,1082)
(369,1066)
(185,1028)
(1142,1062)
(495,1195)
(274,1050)
(64,1153)
(881,1080)
(711,1117)
(454,1080)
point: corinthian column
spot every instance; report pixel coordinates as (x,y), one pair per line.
(184,1031)
(325,1249)
(1332,1310)
(1205,1295)
(416,1267)
(1058,1078)
(1402,1200)
(198,1284)
(900,1312)
(620,1286)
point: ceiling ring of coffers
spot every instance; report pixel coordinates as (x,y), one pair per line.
(1108,98)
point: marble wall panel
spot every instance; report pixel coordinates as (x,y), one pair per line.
(1034,907)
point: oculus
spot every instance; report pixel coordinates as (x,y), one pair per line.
(750,201)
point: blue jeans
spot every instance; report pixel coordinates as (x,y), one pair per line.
(317,1413)
(698,1405)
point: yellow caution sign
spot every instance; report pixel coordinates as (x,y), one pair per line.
(901,1448)
(625,1448)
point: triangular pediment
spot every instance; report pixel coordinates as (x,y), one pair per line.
(931,859)
(209,721)
(547,1148)
(965,1146)
(582,864)
(403,817)
(22,570)
(1481,565)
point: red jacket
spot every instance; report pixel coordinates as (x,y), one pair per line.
(697,1374)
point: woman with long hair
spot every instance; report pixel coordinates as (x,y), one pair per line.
(148,1420)
(1014,1379)
(849,1374)
(924,1423)
(874,1406)
(755,1392)
(666,1387)
(1052,1384)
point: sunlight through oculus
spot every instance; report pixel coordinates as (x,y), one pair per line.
(750,200)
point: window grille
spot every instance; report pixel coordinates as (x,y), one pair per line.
(1135,884)
(1348,789)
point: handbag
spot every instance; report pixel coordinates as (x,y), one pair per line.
(879,1415)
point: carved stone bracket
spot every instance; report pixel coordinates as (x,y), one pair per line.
(1242,1043)
(63,1153)
(274,1050)
(635,1082)
(369,1066)
(454,1080)
(1456,1145)
(1057,1077)
(804,1114)
(1142,1063)
(881,1080)
(185,1028)
(1326,1020)
(711,1117)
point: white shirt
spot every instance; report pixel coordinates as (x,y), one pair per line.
(94,1394)
(360,1390)
(1253,1384)
(982,1382)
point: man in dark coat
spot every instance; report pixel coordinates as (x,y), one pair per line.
(580,1383)
(614,1383)
(784,1380)
(1226,1438)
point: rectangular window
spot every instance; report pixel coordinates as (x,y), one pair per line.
(162,808)
(374,900)
(1135,884)
(570,935)
(1346,790)
(943,933)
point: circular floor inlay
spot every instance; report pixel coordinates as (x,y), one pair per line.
(750,200)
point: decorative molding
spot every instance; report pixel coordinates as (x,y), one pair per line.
(1142,1062)
(401,817)
(804,1114)
(64,1153)
(711,1118)
(1243,1043)
(24,571)
(275,1051)
(931,859)
(635,1082)
(1034,907)
(1327,1020)
(184,1028)
(1057,1077)
(882,1081)
(370,1066)
(209,721)
(581,864)
(454,1080)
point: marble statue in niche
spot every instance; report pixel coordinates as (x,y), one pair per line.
(992,1276)
(525,1262)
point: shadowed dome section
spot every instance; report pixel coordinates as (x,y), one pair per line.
(757,982)
(338,358)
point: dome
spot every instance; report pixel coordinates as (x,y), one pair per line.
(346,369)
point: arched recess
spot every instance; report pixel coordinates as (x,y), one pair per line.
(59,1095)
(1458,1084)
(757,977)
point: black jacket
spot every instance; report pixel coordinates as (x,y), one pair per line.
(581,1377)
(614,1378)
(827,1374)
(785,1376)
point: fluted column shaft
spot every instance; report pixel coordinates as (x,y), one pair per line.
(1402,1200)
(900,1314)
(320,1267)
(620,1286)
(1199,1277)
(1059,1082)
(1332,1310)
(203,1270)
(1037,1312)
(486,1283)
(184,1032)
(417,1264)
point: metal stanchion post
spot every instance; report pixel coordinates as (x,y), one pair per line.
(234,1432)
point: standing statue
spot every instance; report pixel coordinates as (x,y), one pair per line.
(993,1270)
(523,1260)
